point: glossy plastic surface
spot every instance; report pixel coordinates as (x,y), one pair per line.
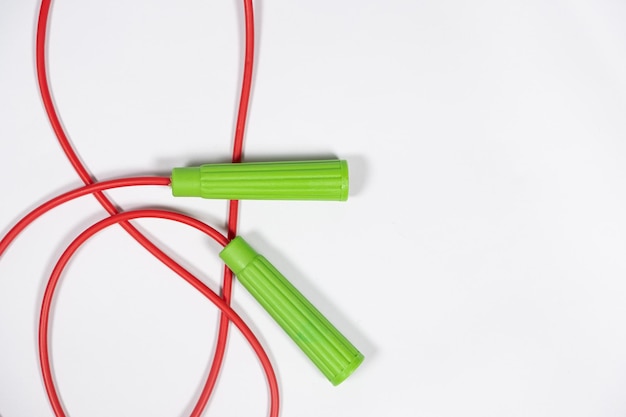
(297,180)
(329,350)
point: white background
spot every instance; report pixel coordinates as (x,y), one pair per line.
(479,263)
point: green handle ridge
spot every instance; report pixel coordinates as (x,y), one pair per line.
(294,180)
(327,348)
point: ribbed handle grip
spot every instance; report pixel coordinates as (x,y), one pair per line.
(329,350)
(302,180)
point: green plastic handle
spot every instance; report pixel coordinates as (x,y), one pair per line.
(299,180)
(329,350)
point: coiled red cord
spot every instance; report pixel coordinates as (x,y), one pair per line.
(196,283)
(123,218)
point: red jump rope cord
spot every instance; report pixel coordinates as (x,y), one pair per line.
(119,218)
(197,284)
(226,312)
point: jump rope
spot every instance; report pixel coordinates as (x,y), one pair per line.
(325,346)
